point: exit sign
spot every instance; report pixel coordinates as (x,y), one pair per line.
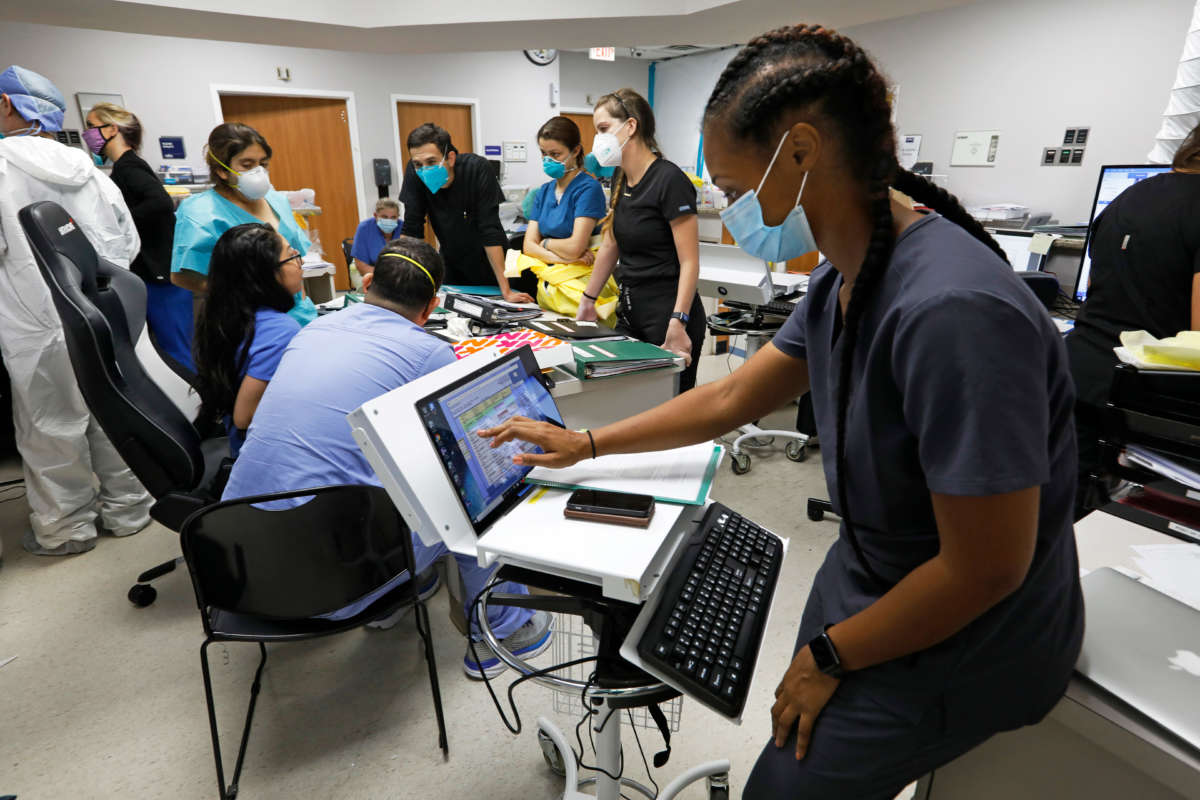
(603,54)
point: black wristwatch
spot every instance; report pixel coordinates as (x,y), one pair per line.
(679,315)
(826,656)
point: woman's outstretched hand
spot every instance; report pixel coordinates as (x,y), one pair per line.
(561,447)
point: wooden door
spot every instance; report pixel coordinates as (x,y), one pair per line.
(455,118)
(310,144)
(587,130)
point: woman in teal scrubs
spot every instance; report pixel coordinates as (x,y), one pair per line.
(567,207)
(237,157)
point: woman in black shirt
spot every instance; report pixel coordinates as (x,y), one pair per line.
(116,134)
(1145,275)
(653,230)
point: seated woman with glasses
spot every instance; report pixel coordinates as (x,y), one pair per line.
(243,327)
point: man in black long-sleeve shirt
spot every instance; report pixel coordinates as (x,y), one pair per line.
(460,195)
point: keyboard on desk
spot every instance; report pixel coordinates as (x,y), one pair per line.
(707,627)
(776,308)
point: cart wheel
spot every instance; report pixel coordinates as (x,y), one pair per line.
(142,594)
(740,463)
(551,755)
(796,450)
(718,787)
(814,512)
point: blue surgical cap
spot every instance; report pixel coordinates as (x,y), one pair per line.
(35,98)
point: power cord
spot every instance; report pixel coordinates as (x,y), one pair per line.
(588,713)
(475,606)
(645,763)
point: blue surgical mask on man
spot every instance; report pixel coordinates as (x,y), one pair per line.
(29,131)
(434,176)
(386,224)
(593,166)
(790,239)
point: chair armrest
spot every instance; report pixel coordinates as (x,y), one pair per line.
(174,507)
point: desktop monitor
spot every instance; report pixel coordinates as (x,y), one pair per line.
(1015,245)
(1114,179)
(487,481)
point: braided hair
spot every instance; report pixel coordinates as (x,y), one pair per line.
(823,75)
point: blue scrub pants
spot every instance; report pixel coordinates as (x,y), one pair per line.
(503,620)
(169,315)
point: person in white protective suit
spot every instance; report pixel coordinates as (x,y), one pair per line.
(63,448)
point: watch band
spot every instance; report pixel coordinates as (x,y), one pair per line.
(682,317)
(826,655)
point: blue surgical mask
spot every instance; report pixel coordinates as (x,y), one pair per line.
(29,131)
(555,169)
(387,225)
(593,166)
(434,177)
(790,239)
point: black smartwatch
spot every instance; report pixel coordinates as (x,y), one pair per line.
(826,656)
(679,315)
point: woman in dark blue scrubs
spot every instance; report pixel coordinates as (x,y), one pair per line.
(567,207)
(949,608)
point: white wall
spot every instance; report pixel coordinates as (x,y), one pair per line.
(681,88)
(166,82)
(581,77)
(1029,68)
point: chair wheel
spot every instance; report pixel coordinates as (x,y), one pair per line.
(796,450)
(551,755)
(142,594)
(740,463)
(718,787)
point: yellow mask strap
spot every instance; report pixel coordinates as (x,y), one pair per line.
(417,264)
(223,164)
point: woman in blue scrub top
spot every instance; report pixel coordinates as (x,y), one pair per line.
(244,326)
(237,157)
(374,233)
(949,607)
(567,208)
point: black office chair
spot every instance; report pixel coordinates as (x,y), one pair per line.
(267,576)
(103,308)
(347,247)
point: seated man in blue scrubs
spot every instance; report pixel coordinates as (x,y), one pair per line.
(566,209)
(374,233)
(299,437)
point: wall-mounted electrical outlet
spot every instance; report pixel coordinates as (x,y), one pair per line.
(515,151)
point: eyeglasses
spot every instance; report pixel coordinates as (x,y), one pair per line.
(295,257)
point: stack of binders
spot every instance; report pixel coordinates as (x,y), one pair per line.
(605,359)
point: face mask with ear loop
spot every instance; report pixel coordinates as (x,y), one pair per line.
(790,239)
(253,183)
(606,148)
(32,130)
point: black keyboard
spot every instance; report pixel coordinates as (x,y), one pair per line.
(776,308)
(710,619)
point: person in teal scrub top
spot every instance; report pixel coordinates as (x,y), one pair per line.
(565,209)
(237,157)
